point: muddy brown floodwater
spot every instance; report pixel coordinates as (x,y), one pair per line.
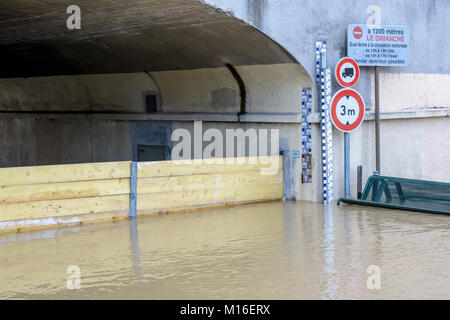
(260,251)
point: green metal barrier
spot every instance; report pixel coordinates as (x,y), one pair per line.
(405,194)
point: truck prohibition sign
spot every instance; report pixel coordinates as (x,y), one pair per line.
(347,72)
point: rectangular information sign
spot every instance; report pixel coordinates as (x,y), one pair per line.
(378,45)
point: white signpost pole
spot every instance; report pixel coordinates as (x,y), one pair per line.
(347,163)
(377,122)
(347,75)
(347,114)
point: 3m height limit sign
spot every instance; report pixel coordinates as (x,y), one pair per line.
(378,45)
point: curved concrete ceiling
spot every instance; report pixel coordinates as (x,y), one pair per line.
(126,36)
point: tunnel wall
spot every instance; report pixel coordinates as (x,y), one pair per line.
(102,117)
(47,140)
(274,88)
(268,88)
(82,93)
(199,90)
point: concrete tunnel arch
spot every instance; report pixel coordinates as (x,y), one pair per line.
(186,52)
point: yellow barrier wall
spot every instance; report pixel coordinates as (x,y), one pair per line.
(168,186)
(38,197)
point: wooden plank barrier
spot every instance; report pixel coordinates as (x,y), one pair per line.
(44,196)
(177,185)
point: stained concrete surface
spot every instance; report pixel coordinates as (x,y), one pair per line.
(127,36)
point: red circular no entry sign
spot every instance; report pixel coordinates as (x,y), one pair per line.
(347,72)
(347,110)
(357,33)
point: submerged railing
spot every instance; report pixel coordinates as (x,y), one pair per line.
(405,194)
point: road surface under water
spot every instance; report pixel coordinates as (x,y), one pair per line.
(261,251)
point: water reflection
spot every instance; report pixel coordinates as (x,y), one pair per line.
(262,251)
(328,245)
(41,234)
(135,250)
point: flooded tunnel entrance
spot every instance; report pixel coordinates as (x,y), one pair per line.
(134,72)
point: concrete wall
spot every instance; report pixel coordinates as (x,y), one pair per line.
(412,91)
(44,141)
(32,140)
(417,148)
(274,88)
(297,25)
(269,89)
(200,90)
(93,93)
(412,146)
